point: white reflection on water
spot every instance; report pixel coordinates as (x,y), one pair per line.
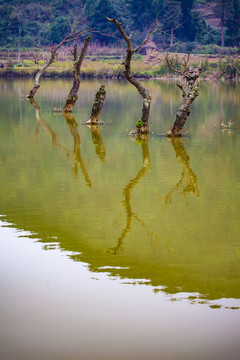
(51,308)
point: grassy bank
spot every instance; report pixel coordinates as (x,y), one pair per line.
(213,67)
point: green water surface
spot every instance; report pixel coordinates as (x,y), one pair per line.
(158,213)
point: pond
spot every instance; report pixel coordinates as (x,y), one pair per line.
(112,248)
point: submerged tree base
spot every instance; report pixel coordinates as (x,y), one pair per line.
(33,92)
(172,132)
(189,86)
(97,106)
(70,102)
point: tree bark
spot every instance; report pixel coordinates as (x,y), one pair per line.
(73,94)
(189,87)
(97,106)
(73,35)
(142,124)
(39,75)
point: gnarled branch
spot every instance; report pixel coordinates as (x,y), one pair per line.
(142,126)
(73,94)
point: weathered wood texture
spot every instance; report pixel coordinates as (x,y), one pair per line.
(73,94)
(189,86)
(73,35)
(142,126)
(97,105)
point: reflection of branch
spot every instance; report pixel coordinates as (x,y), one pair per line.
(47,128)
(188,182)
(98,142)
(127,191)
(72,124)
(73,128)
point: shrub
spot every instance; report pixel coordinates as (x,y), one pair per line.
(10,64)
(229,68)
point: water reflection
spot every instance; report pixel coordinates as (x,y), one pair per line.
(48,130)
(72,124)
(46,127)
(127,191)
(188,182)
(183,249)
(97,141)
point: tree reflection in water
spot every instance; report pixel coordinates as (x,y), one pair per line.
(127,192)
(72,124)
(97,141)
(188,182)
(186,185)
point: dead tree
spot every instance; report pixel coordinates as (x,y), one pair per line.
(142,124)
(73,95)
(97,106)
(73,35)
(189,86)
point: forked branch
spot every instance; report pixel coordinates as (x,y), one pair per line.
(73,94)
(74,34)
(189,87)
(142,125)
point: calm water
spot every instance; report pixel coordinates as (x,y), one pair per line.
(116,249)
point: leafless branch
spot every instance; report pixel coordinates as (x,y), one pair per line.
(169,61)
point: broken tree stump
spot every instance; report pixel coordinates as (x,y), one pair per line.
(97,105)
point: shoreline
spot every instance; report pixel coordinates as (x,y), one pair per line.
(23,74)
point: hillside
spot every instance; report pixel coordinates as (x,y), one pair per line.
(208,13)
(36,24)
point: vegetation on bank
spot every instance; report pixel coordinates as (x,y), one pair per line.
(108,66)
(31,29)
(40,23)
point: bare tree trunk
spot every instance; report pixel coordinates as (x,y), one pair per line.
(73,95)
(73,35)
(19,43)
(223,5)
(39,74)
(142,124)
(171,41)
(222,34)
(189,87)
(97,105)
